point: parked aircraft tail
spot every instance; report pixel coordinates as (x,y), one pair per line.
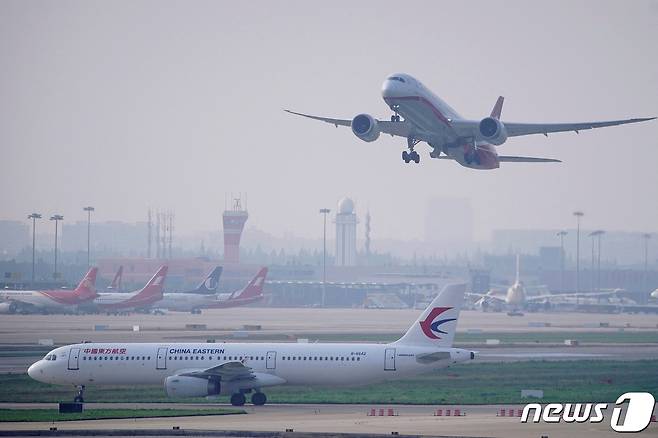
(153,290)
(437,324)
(87,287)
(116,281)
(254,288)
(210,283)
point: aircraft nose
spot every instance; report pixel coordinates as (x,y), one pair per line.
(34,371)
(390,89)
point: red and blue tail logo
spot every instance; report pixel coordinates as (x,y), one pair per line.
(431,327)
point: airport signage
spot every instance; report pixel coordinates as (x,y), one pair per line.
(638,412)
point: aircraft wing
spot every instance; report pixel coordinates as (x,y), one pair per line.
(517,129)
(400,129)
(607,294)
(469,128)
(227,372)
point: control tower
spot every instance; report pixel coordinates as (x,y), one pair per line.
(346,233)
(233,221)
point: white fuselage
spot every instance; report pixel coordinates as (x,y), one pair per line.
(188,301)
(42,300)
(291,363)
(427,111)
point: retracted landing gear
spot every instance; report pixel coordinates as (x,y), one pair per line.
(258,398)
(412,155)
(238,399)
(80,398)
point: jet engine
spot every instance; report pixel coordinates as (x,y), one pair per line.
(185,386)
(8,307)
(365,127)
(492,130)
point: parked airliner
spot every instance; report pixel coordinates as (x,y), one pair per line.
(50,300)
(235,369)
(143,298)
(205,297)
(426,117)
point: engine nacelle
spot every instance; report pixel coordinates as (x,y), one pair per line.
(8,307)
(365,127)
(185,386)
(492,130)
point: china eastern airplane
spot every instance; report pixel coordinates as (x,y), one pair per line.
(205,297)
(50,300)
(235,369)
(427,118)
(143,298)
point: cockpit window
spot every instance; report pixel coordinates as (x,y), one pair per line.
(50,357)
(397,78)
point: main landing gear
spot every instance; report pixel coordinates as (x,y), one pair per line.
(257,399)
(80,398)
(412,155)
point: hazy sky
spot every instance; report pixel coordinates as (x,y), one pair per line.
(124,105)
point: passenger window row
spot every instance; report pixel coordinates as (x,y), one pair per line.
(329,358)
(101,358)
(218,357)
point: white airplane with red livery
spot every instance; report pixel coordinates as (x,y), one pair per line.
(427,118)
(50,300)
(200,369)
(143,298)
(203,298)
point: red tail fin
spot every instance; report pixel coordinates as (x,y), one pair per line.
(254,288)
(155,286)
(116,282)
(87,287)
(498,108)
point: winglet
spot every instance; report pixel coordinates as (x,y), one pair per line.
(498,108)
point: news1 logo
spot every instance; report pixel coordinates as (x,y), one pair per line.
(638,413)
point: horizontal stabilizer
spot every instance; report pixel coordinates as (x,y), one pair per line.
(509,159)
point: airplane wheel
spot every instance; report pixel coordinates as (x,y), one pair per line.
(238,399)
(405,156)
(258,399)
(416,157)
(393,118)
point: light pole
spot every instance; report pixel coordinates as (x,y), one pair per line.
(646,237)
(561,234)
(578,214)
(88,210)
(34,217)
(56,218)
(324,212)
(597,234)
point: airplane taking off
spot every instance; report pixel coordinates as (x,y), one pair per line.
(204,297)
(472,143)
(151,293)
(202,369)
(50,300)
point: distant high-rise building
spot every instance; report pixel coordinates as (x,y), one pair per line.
(233,221)
(346,233)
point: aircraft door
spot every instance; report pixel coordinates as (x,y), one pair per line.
(270,363)
(161,362)
(74,355)
(389,359)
